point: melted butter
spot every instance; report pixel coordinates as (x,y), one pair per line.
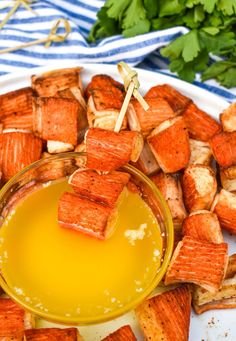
(66,273)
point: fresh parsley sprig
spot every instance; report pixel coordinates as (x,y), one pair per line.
(212,31)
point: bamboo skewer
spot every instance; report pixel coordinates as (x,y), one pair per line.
(131,84)
(52,37)
(18,3)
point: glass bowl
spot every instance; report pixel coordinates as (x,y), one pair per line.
(60,166)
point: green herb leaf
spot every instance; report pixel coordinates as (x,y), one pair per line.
(214,70)
(228,78)
(104,27)
(211,30)
(170,7)
(228,7)
(187,46)
(141,27)
(115,9)
(163,23)
(218,43)
(209,5)
(134,14)
(151,7)
(191,47)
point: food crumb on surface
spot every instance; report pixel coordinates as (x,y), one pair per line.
(46,184)
(106,310)
(19,291)
(139,289)
(134,235)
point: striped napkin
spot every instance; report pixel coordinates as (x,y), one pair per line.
(24,26)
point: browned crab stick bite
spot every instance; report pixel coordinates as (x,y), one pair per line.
(228,178)
(225,298)
(170,188)
(18,149)
(53,334)
(224,206)
(104,107)
(56,120)
(203,225)
(104,82)
(228,118)
(145,121)
(176,100)
(166,317)
(86,216)
(169,143)
(124,333)
(16,109)
(104,188)
(105,98)
(108,150)
(13,320)
(201,153)
(199,262)
(199,187)
(223,146)
(64,83)
(147,162)
(201,126)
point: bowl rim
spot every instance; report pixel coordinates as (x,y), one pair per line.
(67,320)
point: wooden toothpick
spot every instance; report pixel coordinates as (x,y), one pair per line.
(131,85)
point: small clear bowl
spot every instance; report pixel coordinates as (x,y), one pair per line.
(63,165)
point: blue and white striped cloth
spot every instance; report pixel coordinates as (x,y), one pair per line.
(24,26)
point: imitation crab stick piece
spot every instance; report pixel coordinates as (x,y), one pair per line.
(50,171)
(56,119)
(166,317)
(169,143)
(86,216)
(201,153)
(108,150)
(103,109)
(171,190)
(13,320)
(147,162)
(60,83)
(204,300)
(104,188)
(22,121)
(81,161)
(104,82)
(53,334)
(225,298)
(145,121)
(228,118)
(228,178)
(201,126)
(18,150)
(176,100)
(223,146)
(224,206)
(203,225)
(199,187)
(231,268)
(199,262)
(124,333)
(18,102)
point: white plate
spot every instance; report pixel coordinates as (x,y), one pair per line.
(210,326)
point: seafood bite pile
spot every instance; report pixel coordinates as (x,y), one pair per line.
(187,154)
(92,207)
(48,117)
